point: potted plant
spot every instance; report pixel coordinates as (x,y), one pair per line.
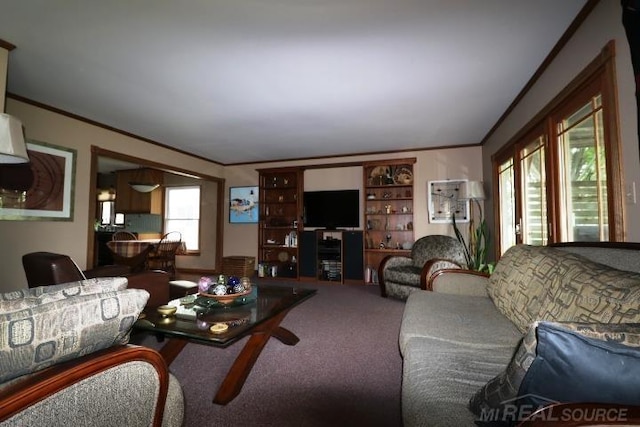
(475,251)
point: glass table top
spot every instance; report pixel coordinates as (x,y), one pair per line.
(196,315)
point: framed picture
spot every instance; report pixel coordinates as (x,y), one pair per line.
(444,201)
(243,205)
(42,189)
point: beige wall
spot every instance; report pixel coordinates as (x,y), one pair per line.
(453,163)
(603,24)
(70,237)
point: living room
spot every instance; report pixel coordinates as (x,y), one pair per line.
(349,371)
(44,123)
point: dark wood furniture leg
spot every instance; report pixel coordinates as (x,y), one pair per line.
(172,349)
(237,375)
(243,364)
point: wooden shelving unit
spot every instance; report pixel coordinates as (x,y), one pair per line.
(388,210)
(280,204)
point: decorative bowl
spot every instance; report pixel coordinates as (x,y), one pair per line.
(167,310)
(225,299)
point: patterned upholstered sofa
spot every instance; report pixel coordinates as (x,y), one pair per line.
(65,359)
(552,327)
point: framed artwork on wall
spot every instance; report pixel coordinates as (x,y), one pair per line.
(444,201)
(42,189)
(243,205)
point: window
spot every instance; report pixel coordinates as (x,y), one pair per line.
(182,213)
(507,202)
(106,213)
(559,180)
(533,181)
(582,174)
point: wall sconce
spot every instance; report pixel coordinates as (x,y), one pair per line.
(12,146)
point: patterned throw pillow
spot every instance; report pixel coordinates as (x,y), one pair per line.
(568,362)
(36,337)
(540,283)
(65,290)
(517,285)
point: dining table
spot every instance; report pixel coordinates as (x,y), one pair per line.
(134,253)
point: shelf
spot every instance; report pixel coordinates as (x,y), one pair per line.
(280,195)
(389,185)
(389,214)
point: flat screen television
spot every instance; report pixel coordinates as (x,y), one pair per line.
(331,209)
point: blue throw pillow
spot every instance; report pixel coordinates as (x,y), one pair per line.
(563,362)
(573,367)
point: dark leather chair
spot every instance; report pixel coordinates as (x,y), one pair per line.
(47,268)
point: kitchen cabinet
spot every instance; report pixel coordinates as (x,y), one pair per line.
(129,200)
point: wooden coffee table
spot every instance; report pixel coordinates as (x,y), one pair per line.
(258,316)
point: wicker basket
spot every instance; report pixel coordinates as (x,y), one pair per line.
(239,266)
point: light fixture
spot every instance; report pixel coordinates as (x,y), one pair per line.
(472,190)
(107,195)
(143,188)
(12,146)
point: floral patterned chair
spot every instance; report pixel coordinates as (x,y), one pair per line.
(400,275)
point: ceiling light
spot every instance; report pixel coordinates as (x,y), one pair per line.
(143,188)
(12,146)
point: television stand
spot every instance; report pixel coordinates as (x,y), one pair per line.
(329,259)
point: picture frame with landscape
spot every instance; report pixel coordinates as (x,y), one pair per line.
(243,205)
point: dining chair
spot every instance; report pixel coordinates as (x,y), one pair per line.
(130,253)
(164,255)
(123,235)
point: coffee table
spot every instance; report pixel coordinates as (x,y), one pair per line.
(259,316)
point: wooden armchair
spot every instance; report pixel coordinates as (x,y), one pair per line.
(148,391)
(164,256)
(123,235)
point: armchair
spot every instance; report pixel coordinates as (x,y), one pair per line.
(65,359)
(47,268)
(94,390)
(399,276)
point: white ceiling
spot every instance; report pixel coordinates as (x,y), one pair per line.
(239,81)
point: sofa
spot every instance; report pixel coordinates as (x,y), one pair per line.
(553,326)
(65,359)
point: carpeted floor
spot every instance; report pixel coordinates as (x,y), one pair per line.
(345,371)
